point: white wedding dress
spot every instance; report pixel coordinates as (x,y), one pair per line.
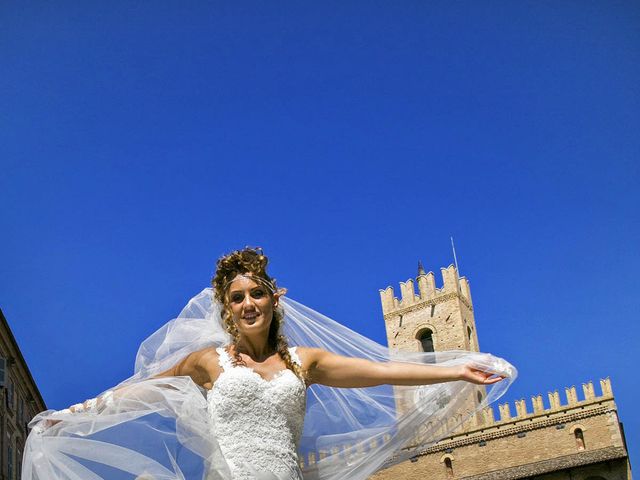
(258,422)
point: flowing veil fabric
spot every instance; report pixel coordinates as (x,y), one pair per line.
(160,428)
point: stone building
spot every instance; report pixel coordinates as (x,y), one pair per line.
(20,401)
(571,440)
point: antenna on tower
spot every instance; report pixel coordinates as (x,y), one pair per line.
(455,259)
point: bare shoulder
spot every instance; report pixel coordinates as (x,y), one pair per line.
(202,366)
(205,366)
(207,359)
(208,353)
(309,356)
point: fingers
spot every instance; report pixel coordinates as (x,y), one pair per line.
(483,377)
(478,369)
(44,425)
(491,381)
(78,407)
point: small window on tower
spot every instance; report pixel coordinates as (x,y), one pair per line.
(426,340)
(579,439)
(449,466)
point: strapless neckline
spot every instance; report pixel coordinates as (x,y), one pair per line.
(279,374)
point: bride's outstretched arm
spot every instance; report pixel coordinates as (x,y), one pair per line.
(201,366)
(333,370)
(197,365)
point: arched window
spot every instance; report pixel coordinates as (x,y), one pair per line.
(469,335)
(449,466)
(479,397)
(426,340)
(579,439)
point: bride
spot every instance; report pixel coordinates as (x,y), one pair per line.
(248,384)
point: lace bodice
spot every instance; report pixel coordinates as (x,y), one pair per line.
(258,422)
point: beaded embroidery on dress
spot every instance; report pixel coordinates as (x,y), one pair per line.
(258,422)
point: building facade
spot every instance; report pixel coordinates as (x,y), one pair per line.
(570,440)
(20,401)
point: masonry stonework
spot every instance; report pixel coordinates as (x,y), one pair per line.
(20,401)
(572,439)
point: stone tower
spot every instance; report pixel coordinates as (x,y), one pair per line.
(433,320)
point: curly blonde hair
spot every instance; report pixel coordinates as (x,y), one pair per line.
(251,261)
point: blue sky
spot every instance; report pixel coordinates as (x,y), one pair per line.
(140,142)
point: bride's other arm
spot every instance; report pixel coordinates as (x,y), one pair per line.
(201,366)
(333,370)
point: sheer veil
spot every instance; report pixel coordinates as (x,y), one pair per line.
(159,428)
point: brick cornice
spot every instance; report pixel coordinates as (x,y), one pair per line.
(428,303)
(505,431)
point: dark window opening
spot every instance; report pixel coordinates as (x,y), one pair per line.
(426,340)
(448,464)
(579,439)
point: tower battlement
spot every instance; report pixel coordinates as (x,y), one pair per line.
(428,292)
(536,408)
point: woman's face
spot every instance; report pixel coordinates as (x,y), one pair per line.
(251,305)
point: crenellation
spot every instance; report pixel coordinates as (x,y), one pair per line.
(450,279)
(605,385)
(386,298)
(588,390)
(572,396)
(452,423)
(488,415)
(465,289)
(521,408)
(427,286)
(478,418)
(538,406)
(505,412)
(407,293)
(485,417)
(452,284)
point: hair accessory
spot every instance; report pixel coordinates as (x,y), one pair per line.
(255,278)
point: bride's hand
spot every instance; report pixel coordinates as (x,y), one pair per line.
(472,374)
(44,425)
(87,406)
